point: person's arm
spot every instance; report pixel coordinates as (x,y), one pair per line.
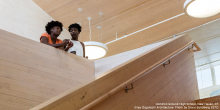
(45,41)
(83,49)
(62,48)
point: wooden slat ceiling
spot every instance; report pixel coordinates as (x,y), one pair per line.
(123,16)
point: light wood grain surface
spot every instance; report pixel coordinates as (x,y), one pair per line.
(32,72)
(94,88)
(25,18)
(124,17)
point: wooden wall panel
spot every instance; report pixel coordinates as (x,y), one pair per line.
(32,72)
(174,83)
(94,88)
(208,103)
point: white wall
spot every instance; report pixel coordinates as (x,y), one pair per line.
(25,18)
(107,63)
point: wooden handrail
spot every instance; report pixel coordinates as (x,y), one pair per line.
(197,47)
(136,77)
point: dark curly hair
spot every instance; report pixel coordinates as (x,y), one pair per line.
(52,24)
(75,25)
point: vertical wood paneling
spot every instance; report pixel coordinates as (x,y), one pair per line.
(32,72)
(174,83)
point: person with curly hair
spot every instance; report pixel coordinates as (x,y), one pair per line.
(78,48)
(53,29)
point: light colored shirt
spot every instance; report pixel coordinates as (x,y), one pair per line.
(77,47)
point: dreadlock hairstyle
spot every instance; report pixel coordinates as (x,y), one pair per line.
(52,24)
(75,25)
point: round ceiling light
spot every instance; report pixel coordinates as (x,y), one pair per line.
(95,50)
(202,8)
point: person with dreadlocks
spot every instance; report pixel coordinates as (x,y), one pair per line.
(53,30)
(78,48)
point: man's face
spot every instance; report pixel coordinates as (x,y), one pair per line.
(74,32)
(56,30)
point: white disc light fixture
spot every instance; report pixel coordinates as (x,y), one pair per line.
(202,8)
(95,50)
